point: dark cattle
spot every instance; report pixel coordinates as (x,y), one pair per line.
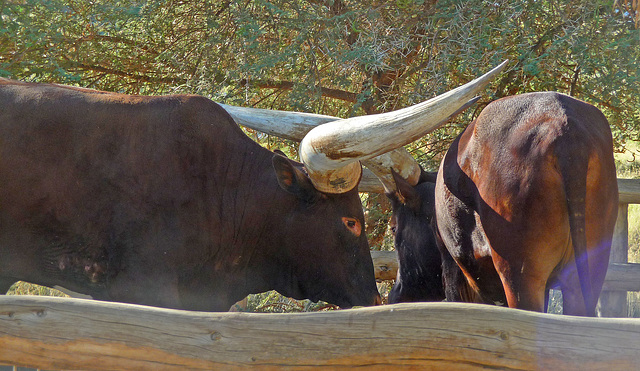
(526,200)
(419,270)
(419,276)
(164,201)
(421,256)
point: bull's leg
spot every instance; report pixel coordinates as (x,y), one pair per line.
(572,299)
(572,302)
(524,283)
(471,278)
(598,264)
(468,278)
(455,284)
(482,275)
(526,292)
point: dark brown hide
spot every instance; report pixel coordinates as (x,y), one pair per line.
(526,199)
(419,275)
(164,201)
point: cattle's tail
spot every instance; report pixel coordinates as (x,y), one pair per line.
(573,168)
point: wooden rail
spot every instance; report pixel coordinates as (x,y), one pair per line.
(59,333)
(621,276)
(629,190)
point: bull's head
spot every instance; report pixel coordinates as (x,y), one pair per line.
(333,149)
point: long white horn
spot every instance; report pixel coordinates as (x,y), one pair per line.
(401,161)
(283,124)
(295,125)
(331,152)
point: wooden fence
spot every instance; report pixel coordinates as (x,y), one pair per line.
(60,333)
(621,275)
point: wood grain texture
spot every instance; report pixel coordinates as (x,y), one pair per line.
(623,277)
(385,265)
(59,333)
(629,191)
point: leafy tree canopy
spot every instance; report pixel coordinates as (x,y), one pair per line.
(337,57)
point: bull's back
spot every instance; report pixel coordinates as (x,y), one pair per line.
(68,145)
(84,174)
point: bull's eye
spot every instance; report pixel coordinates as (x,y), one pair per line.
(353,225)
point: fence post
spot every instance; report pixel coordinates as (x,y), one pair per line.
(614,303)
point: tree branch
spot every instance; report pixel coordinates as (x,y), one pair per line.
(574,81)
(288,85)
(137,77)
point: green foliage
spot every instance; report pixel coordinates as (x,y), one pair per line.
(273,302)
(24,288)
(335,57)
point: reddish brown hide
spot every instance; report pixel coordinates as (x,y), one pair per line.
(526,199)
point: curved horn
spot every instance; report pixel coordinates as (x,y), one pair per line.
(295,125)
(399,160)
(402,161)
(283,124)
(331,152)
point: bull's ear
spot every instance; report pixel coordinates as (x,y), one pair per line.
(406,193)
(294,180)
(279,152)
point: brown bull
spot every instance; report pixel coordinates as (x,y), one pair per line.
(164,201)
(526,199)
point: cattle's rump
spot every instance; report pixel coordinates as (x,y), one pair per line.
(527,198)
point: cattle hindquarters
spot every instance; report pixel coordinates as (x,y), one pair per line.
(526,198)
